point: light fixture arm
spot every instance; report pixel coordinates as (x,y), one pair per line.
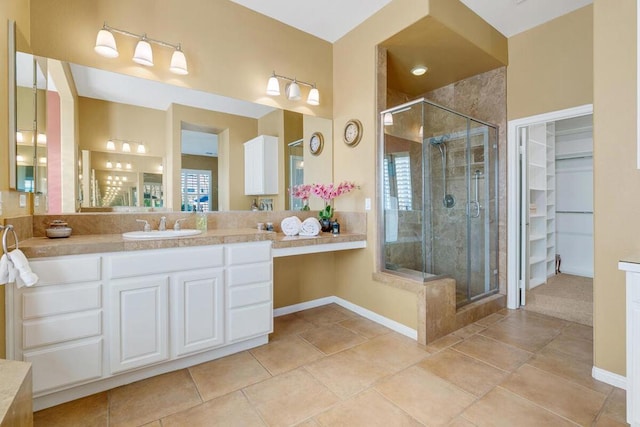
(289,79)
(141,36)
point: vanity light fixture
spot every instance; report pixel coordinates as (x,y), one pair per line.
(19,158)
(42,160)
(111,146)
(143,54)
(128,165)
(118,165)
(124,178)
(126,148)
(141,149)
(292,89)
(19,137)
(419,70)
(388,119)
(41,138)
(109,164)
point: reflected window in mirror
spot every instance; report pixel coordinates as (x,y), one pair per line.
(296,172)
(397,181)
(199,176)
(196,190)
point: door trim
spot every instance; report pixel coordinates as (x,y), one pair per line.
(513,190)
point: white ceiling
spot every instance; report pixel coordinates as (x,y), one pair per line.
(332,19)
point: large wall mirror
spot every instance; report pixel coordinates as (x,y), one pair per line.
(93,140)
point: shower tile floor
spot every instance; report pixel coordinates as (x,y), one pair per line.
(328,366)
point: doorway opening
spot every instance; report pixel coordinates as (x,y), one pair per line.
(551,214)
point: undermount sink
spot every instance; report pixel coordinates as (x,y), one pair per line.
(165,234)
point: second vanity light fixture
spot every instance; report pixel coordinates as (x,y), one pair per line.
(143,55)
(126,146)
(292,89)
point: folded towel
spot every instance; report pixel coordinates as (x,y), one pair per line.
(24,273)
(310,227)
(7,271)
(291,225)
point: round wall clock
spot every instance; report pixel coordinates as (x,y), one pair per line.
(352,132)
(316,143)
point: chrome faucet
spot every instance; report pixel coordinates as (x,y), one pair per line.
(176,226)
(163,223)
(147,227)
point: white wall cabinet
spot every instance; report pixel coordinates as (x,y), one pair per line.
(110,319)
(261,166)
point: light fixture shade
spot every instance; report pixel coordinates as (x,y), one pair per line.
(388,119)
(128,165)
(106,44)
(42,160)
(293,91)
(273,87)
(109,164)
(314,97)
(126,148)
(141,149)
(178,63)
(118,165)
(111,146)
(19,137)
(41,138)
(143,54)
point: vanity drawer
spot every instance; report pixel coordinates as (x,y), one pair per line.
(247,322)
(59,329)
(247,274)
(248,295)
(248,253)
(71,269)
(143,263)
(65,365)
(38,302)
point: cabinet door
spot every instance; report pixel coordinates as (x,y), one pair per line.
(139,322)
(254,167)
(197,311)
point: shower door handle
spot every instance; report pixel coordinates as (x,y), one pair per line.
(474,209)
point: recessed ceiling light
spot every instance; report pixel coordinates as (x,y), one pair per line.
(419,70)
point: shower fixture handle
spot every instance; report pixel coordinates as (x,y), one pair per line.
(474,208)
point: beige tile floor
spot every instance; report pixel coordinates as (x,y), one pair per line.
(330,367)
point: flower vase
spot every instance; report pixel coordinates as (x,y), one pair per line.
(326,224)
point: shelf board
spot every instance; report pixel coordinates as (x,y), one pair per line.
(533,238)
(536,215)
(537,259)
(537,165)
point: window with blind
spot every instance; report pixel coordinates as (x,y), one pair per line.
(397,181)
(196,190)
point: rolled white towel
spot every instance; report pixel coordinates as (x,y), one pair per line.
(291,225)
(24,273)
(310,227)
(7,271)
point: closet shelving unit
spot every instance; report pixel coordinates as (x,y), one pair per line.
(537,159)
(551,199)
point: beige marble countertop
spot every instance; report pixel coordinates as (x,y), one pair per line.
(12,376)
(39,247)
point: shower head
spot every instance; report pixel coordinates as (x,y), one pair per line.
(438,141)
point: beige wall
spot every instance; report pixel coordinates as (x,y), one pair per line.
(551,66)
(616,177)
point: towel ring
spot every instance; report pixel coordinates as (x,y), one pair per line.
(8,228)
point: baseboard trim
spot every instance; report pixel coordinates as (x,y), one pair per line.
(368,314)
(609,378)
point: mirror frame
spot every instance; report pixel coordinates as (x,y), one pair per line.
(11,63)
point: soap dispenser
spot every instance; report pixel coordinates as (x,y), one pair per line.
(201,220)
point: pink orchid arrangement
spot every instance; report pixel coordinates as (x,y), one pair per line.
(302,192)
(328,192)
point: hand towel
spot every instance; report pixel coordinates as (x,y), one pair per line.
(291,225)
(310,227)
(7,271)
(24,273)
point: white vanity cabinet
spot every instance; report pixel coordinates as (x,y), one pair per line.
(261,166)
(58,325)
(631,266)
(96,322)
